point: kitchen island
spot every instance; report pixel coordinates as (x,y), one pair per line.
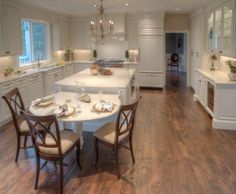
(120,82)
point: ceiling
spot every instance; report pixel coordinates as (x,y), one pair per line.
(78,7)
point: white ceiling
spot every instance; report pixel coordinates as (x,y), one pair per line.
(77,7)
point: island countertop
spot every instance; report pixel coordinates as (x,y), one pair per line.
(120,78)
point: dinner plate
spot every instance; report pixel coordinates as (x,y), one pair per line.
(69,112)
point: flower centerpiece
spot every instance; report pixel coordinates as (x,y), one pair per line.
(232,67)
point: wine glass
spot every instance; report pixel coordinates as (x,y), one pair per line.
(100,95)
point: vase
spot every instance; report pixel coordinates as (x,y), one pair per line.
(232,76)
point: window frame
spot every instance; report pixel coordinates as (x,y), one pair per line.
(48,42)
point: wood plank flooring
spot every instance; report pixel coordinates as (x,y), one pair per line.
(176,150)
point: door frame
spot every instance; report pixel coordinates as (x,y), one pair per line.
(188,78)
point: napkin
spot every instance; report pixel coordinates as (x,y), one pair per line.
(44,99)
(104,106)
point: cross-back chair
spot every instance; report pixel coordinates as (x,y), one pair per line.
(16,105)
(52,145)
(117,134)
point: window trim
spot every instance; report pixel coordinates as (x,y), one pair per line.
(48,43)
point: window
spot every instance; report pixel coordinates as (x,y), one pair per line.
(34,42)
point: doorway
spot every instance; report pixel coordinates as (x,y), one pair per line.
(176,54)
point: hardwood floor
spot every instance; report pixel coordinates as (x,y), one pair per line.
(176,150)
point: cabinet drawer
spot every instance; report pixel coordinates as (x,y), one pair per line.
(151,79)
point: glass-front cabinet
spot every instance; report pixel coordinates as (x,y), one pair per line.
(228,26)
(221,29)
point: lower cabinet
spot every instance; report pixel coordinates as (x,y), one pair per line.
(30,87)
(151,79)
(50,77)
(68,70)
(80,66)
(201,89)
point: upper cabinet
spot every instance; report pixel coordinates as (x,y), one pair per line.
(1,32)
(11,31)
(80,33)
(61,35)
(221,29)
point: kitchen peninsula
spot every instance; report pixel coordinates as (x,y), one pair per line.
(120,82)
(217,95)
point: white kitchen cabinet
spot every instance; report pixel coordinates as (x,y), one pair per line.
(61,33)
(197,44)
(68,70)
(151,68)
(80,34)
(221,26)
(217,95)
(11,31)
(201,89)
(50,77)
(79,66)
(132,33)
(1,33)
(30,87)
(35,86)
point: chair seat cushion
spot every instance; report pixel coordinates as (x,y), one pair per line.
(107,133)
(68,139)
(24,127)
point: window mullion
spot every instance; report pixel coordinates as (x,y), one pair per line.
(32,41)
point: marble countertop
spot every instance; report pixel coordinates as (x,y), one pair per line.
(217,77)
(120,79)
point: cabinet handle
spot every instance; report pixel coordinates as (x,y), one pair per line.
(220,52)
(7,52)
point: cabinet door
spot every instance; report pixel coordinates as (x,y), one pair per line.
(151,53)
(227,36)
(218,29)
(1,36)
(11,31)
(64,34)
(211,31)
(36,88)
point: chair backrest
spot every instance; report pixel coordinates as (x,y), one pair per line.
(174,58)
(125,121)
(16,105)
(48,136)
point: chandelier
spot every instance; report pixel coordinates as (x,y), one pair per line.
(101,27)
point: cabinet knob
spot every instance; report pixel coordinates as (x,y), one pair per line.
(55,75)
(7,52)
(220,52)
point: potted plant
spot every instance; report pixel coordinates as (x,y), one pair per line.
(127,55)
(232,67)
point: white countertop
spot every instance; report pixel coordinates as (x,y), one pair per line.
(120,79)
(218,77)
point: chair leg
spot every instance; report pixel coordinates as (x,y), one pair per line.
(117,163)
(78,154)
(61,176)
(96,151)
(37,172)
(131,150)
(17,148)
(25,140)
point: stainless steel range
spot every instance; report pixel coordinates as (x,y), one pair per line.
(110,62)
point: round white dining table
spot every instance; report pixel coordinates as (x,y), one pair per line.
(84,110)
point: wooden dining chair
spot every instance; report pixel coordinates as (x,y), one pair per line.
(52,145)
(16,106)
(117,134)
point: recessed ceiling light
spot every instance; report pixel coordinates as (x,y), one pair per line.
(126,4)
(177,9)
(94,5)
